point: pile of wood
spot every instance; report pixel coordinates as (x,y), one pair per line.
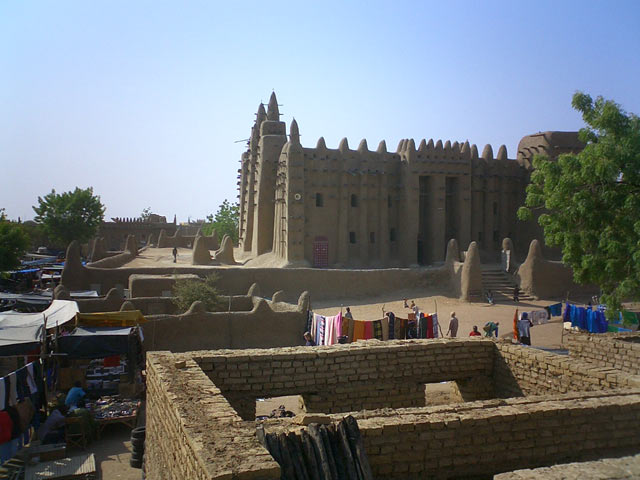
(320,452)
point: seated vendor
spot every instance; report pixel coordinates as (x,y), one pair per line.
(75,396)
(52,430)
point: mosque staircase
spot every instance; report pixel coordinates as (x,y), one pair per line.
(500,283)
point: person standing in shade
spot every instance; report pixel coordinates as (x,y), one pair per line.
(348,314)
(453,325)
(175,254)
(524,329)
(309,341)
(516,294)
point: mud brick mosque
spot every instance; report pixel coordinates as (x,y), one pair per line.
(376,208)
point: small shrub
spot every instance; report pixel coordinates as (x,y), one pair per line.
(187,291)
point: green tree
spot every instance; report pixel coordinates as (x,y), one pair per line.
(225,221)
(13,243)
(590,201)
(70,216)
(187,291)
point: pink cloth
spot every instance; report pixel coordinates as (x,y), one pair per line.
(334,329)
(368,330)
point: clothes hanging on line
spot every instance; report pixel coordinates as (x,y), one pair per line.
(554,310)
(392,319)
(539,317)
(377,329)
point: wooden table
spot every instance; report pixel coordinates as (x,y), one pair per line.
(129,420)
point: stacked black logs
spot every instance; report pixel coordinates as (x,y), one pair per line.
(320,452)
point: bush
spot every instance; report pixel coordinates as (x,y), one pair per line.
(187,291)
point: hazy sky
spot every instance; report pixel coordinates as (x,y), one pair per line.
(143,100)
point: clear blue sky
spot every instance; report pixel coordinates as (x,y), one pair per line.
(143,100)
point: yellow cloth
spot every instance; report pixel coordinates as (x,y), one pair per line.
(128,318)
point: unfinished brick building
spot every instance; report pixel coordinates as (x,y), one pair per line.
(324,207)
(519,407)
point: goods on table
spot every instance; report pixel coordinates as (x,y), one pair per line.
(112,407)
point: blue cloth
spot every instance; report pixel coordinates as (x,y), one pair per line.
(392,325)
(74,396)
(555,310)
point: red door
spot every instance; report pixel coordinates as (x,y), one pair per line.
(321,252)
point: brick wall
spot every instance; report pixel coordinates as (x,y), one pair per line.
(521,371)
(201,407)
(192,432)
(616,350)
(483,438)
(625,468)
(342,378)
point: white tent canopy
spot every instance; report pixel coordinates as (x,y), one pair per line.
(59,312)
(21,332)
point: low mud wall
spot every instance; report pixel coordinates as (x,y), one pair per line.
(615,350)
(237,280)
(262,327)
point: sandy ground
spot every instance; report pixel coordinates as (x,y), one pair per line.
(112,453)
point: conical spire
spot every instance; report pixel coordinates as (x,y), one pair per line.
(423,145)
(344,145)
(487,153)
(474,151)
(363,147)
(272,111)
(261,116)
(321,145)
(294,134)
(502,153)
(382,147)
(465,150)
(447,145)
(430,144)
(439,145)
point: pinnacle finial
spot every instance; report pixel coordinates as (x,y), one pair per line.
(487,152)
(502,153)
(363,147)
(261,115)
(272,110)
(382,147)
(294,133)
(344,145)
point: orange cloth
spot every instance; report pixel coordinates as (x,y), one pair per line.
(358,330)
(515,325)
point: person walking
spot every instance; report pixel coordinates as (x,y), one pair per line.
(175,254)
(453,325)
(516,294)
